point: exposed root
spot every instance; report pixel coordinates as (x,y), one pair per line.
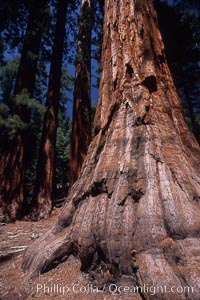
(54,248)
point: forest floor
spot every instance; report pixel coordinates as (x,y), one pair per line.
(66,281)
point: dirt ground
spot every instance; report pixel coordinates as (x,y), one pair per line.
(66,281)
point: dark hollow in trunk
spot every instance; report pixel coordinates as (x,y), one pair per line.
(135,207)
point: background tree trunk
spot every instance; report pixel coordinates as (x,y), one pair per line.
(43,193)
(81,121)
(14,158)
(135,207)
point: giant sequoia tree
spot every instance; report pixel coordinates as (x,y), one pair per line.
(81,124)
(135,206)
(43,192)
(14,156)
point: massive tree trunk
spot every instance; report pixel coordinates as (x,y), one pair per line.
(14,159)
(81,121)
(43,192)
(135,207)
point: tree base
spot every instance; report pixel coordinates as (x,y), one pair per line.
(137,215)
(135,208)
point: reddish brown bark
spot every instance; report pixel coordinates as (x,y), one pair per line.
(135,208)
(81,120)
(43,193)
(13,157)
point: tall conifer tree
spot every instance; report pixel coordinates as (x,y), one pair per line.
(134,209)
(14,155)
(43,192)
(81,122)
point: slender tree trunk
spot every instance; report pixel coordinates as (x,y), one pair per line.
(135,208)
(14,158)
(43,193)
(81,121)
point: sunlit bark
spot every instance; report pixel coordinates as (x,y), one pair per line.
(135,207)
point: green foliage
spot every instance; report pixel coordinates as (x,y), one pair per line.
(63,137)
(10,125)
(8,73)
(4,109)
(24,99)
(10,122)
(62,158)
(63,144)
(67,83)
